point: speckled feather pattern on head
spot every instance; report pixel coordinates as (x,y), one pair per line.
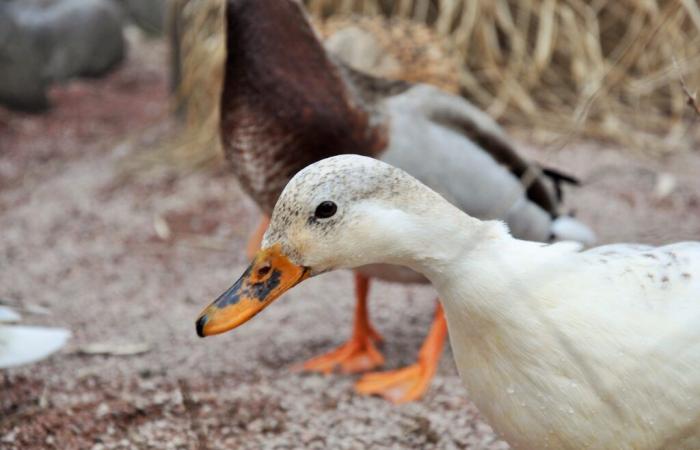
(320,182)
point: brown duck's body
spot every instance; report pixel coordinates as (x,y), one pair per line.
(285,106)
(287,103)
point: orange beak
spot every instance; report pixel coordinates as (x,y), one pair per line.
(270,275)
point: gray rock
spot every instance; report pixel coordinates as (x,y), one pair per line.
(76,37)
(43,41)
(22,84)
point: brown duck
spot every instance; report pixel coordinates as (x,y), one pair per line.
(287,103)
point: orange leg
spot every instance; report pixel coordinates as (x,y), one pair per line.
(359,353)
(257,237)
(410,383)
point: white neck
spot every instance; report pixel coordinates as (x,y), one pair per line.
(451,249)
(498,333)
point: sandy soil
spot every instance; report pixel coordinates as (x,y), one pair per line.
(78,239)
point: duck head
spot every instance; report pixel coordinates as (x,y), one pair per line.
(339,213)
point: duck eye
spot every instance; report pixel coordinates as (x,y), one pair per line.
(325,210)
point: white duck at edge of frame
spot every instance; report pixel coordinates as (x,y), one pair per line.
(558,347)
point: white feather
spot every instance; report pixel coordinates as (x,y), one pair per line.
(565,228)
(21,345)
(8,314)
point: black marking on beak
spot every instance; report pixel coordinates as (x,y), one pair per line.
(243,288)
(200,325)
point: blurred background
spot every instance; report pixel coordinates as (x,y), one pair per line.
(119,219)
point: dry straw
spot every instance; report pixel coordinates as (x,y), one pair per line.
(601,69)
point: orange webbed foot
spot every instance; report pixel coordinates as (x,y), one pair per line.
(398,386)
(356,355)
(409,383)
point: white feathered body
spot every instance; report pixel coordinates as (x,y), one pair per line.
(21,345)
(565,349)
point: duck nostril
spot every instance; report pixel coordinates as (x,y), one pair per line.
(264,270)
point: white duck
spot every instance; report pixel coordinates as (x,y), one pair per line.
(21,345)
(559,348)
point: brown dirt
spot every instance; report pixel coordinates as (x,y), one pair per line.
(80,240)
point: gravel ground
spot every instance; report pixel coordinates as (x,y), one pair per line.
(80,240)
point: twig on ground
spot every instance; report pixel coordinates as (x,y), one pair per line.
(692,99)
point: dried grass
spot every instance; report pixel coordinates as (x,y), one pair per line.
(415,52)
(601,69)
(196,30)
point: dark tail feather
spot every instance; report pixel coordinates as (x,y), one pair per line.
(559,178)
